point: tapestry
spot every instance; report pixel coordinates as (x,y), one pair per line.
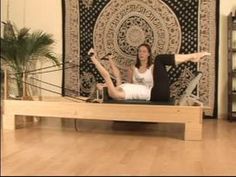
(120,26)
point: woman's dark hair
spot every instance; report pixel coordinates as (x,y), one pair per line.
(138,63)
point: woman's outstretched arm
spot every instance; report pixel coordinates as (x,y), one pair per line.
(130,74)
(195,57)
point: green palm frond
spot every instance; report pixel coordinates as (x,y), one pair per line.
(8,31)
(8,50)
(19,47)
(23,33)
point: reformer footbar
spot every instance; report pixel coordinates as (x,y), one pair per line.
(188,99)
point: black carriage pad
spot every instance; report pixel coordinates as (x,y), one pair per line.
(111,101)
(108,99)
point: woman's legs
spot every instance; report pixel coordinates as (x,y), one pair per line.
(194,57)
(161,90)
(113,91)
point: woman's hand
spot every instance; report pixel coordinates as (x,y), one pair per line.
(100,86)
(110,57)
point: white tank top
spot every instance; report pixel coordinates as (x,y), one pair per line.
(145,78)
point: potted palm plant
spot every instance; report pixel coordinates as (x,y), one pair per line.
(20,49)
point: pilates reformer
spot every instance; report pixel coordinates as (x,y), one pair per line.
(188,110)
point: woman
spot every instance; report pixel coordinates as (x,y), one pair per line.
(158,91)
(142,72)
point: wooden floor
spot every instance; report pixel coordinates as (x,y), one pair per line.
(106,148)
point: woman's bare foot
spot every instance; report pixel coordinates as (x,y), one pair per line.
(91,51)
(200,56)
(93,55)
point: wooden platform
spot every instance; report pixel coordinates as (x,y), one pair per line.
(61,107)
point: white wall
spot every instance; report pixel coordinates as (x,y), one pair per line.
(46,15)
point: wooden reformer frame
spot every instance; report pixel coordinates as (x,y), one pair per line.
(60,107)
